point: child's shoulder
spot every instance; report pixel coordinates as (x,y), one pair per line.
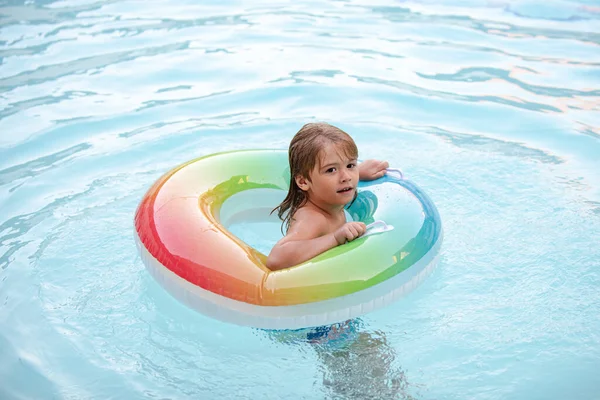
(309,216)
(311,213)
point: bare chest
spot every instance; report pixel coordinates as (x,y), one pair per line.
(334,223)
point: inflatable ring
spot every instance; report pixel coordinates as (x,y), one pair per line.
(182,235)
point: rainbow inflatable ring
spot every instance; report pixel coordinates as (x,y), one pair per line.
(182,235)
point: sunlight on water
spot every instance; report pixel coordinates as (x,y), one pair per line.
(490,106)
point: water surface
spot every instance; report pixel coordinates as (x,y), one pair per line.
(491,107)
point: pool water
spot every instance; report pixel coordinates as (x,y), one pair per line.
(249,215)
(492,107)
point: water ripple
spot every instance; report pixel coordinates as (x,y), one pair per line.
(505,29)
(481,74)
(82,65)
(23,105)
(39,165)
(490,145)
(513,102)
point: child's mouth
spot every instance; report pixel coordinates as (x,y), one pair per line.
(345,190)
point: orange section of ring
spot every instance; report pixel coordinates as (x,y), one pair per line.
(175,222)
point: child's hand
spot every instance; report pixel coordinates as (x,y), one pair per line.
(369,170)
(349,231)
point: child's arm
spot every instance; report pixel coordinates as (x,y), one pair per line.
(369,170)
(305,241)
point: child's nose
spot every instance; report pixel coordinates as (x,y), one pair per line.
(345,176)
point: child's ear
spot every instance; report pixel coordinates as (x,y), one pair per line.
(303,183)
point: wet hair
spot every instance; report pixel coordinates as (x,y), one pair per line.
(303,156)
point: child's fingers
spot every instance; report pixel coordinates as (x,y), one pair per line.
(379,169)
(360,227)
(352,232)
(363,227)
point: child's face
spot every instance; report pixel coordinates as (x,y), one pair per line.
(333,180)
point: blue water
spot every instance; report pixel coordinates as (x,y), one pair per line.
(492,107)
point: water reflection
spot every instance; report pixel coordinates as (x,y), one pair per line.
(354,362)
(491,27)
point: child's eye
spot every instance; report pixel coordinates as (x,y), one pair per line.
(330,170)
(351,165)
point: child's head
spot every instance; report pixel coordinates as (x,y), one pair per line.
(304,155)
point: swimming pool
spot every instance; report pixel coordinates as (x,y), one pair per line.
(491,107)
